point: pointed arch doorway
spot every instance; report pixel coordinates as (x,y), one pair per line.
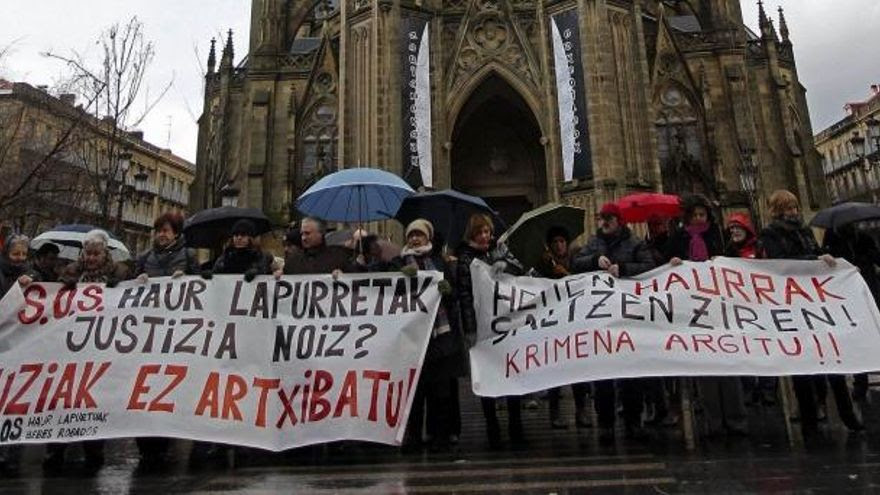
(497,152)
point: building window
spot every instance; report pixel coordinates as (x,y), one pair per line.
(680,142)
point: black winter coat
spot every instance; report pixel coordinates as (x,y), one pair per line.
(679,243)
(624,249)
(9,274)
(158,262)
(243,261)
(463,288)
(446,356)
(785,240)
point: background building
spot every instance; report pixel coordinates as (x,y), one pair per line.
(48,147)
(850,151)
(675,95)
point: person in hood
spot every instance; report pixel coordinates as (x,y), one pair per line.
(169,256)
(445,357)
(479,243)
(243,254)
(742,239)
(787,237)
(615,250)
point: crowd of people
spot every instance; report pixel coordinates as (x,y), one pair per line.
(435,420)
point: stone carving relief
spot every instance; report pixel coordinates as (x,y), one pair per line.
(490,35)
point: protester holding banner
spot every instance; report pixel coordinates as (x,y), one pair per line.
(787,237)
(95,265)
(169,256)
(859,248)
(316,256)
(700,240)
(243,254)
(445,358)
(479,244)
(616,250)
(555,264)
(13,268)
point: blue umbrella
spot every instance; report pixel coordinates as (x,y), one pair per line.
(355,195)
(448,210)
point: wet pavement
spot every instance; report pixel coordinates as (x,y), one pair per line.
(554,461)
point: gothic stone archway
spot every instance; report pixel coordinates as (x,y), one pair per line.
(497,152)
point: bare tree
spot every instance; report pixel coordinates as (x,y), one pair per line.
(37,132)
(119,100)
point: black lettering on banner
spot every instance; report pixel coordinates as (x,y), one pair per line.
(700,312)
(334,349)
(606,294)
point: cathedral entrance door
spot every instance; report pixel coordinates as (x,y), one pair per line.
(497,152)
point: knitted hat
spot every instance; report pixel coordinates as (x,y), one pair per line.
(741,220)
(243,227)
(420,225)
(611,209)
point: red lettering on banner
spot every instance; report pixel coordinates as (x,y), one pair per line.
(736,283)
(624,340)
(511,363)
(377,377)
(763,291)
(265,385)
(821,293)
(675,278)
(83,392)
(348,396)
(793,289)
(319,407)
(532,355)
(64,389)
(287,404)
(179,373)
(95,294)
(21,408)
(140,387)
(676,339)
(715,290)
(704,339)
(210,396)
(578,342)
(30,301)
(236,389)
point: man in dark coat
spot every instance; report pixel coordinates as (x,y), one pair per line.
(316,257)
(616,250)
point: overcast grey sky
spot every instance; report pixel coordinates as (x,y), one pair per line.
(837,45)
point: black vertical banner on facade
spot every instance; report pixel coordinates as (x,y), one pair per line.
(416,102)
(571,94)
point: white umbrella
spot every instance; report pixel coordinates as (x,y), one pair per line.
(70,244)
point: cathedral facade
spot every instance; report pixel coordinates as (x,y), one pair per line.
(518,101)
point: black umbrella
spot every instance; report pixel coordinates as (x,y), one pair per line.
(448,210)
(845,213)
(210,228)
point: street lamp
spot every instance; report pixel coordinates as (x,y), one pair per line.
(229,195)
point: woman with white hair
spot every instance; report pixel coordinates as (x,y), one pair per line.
(94,266)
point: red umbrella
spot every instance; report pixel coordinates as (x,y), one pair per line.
(640,207)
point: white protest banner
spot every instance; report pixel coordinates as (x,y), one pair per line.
(724,317)
(268,364)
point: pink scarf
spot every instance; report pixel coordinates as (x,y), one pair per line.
(697,251)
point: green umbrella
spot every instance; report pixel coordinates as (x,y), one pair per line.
(526,239)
